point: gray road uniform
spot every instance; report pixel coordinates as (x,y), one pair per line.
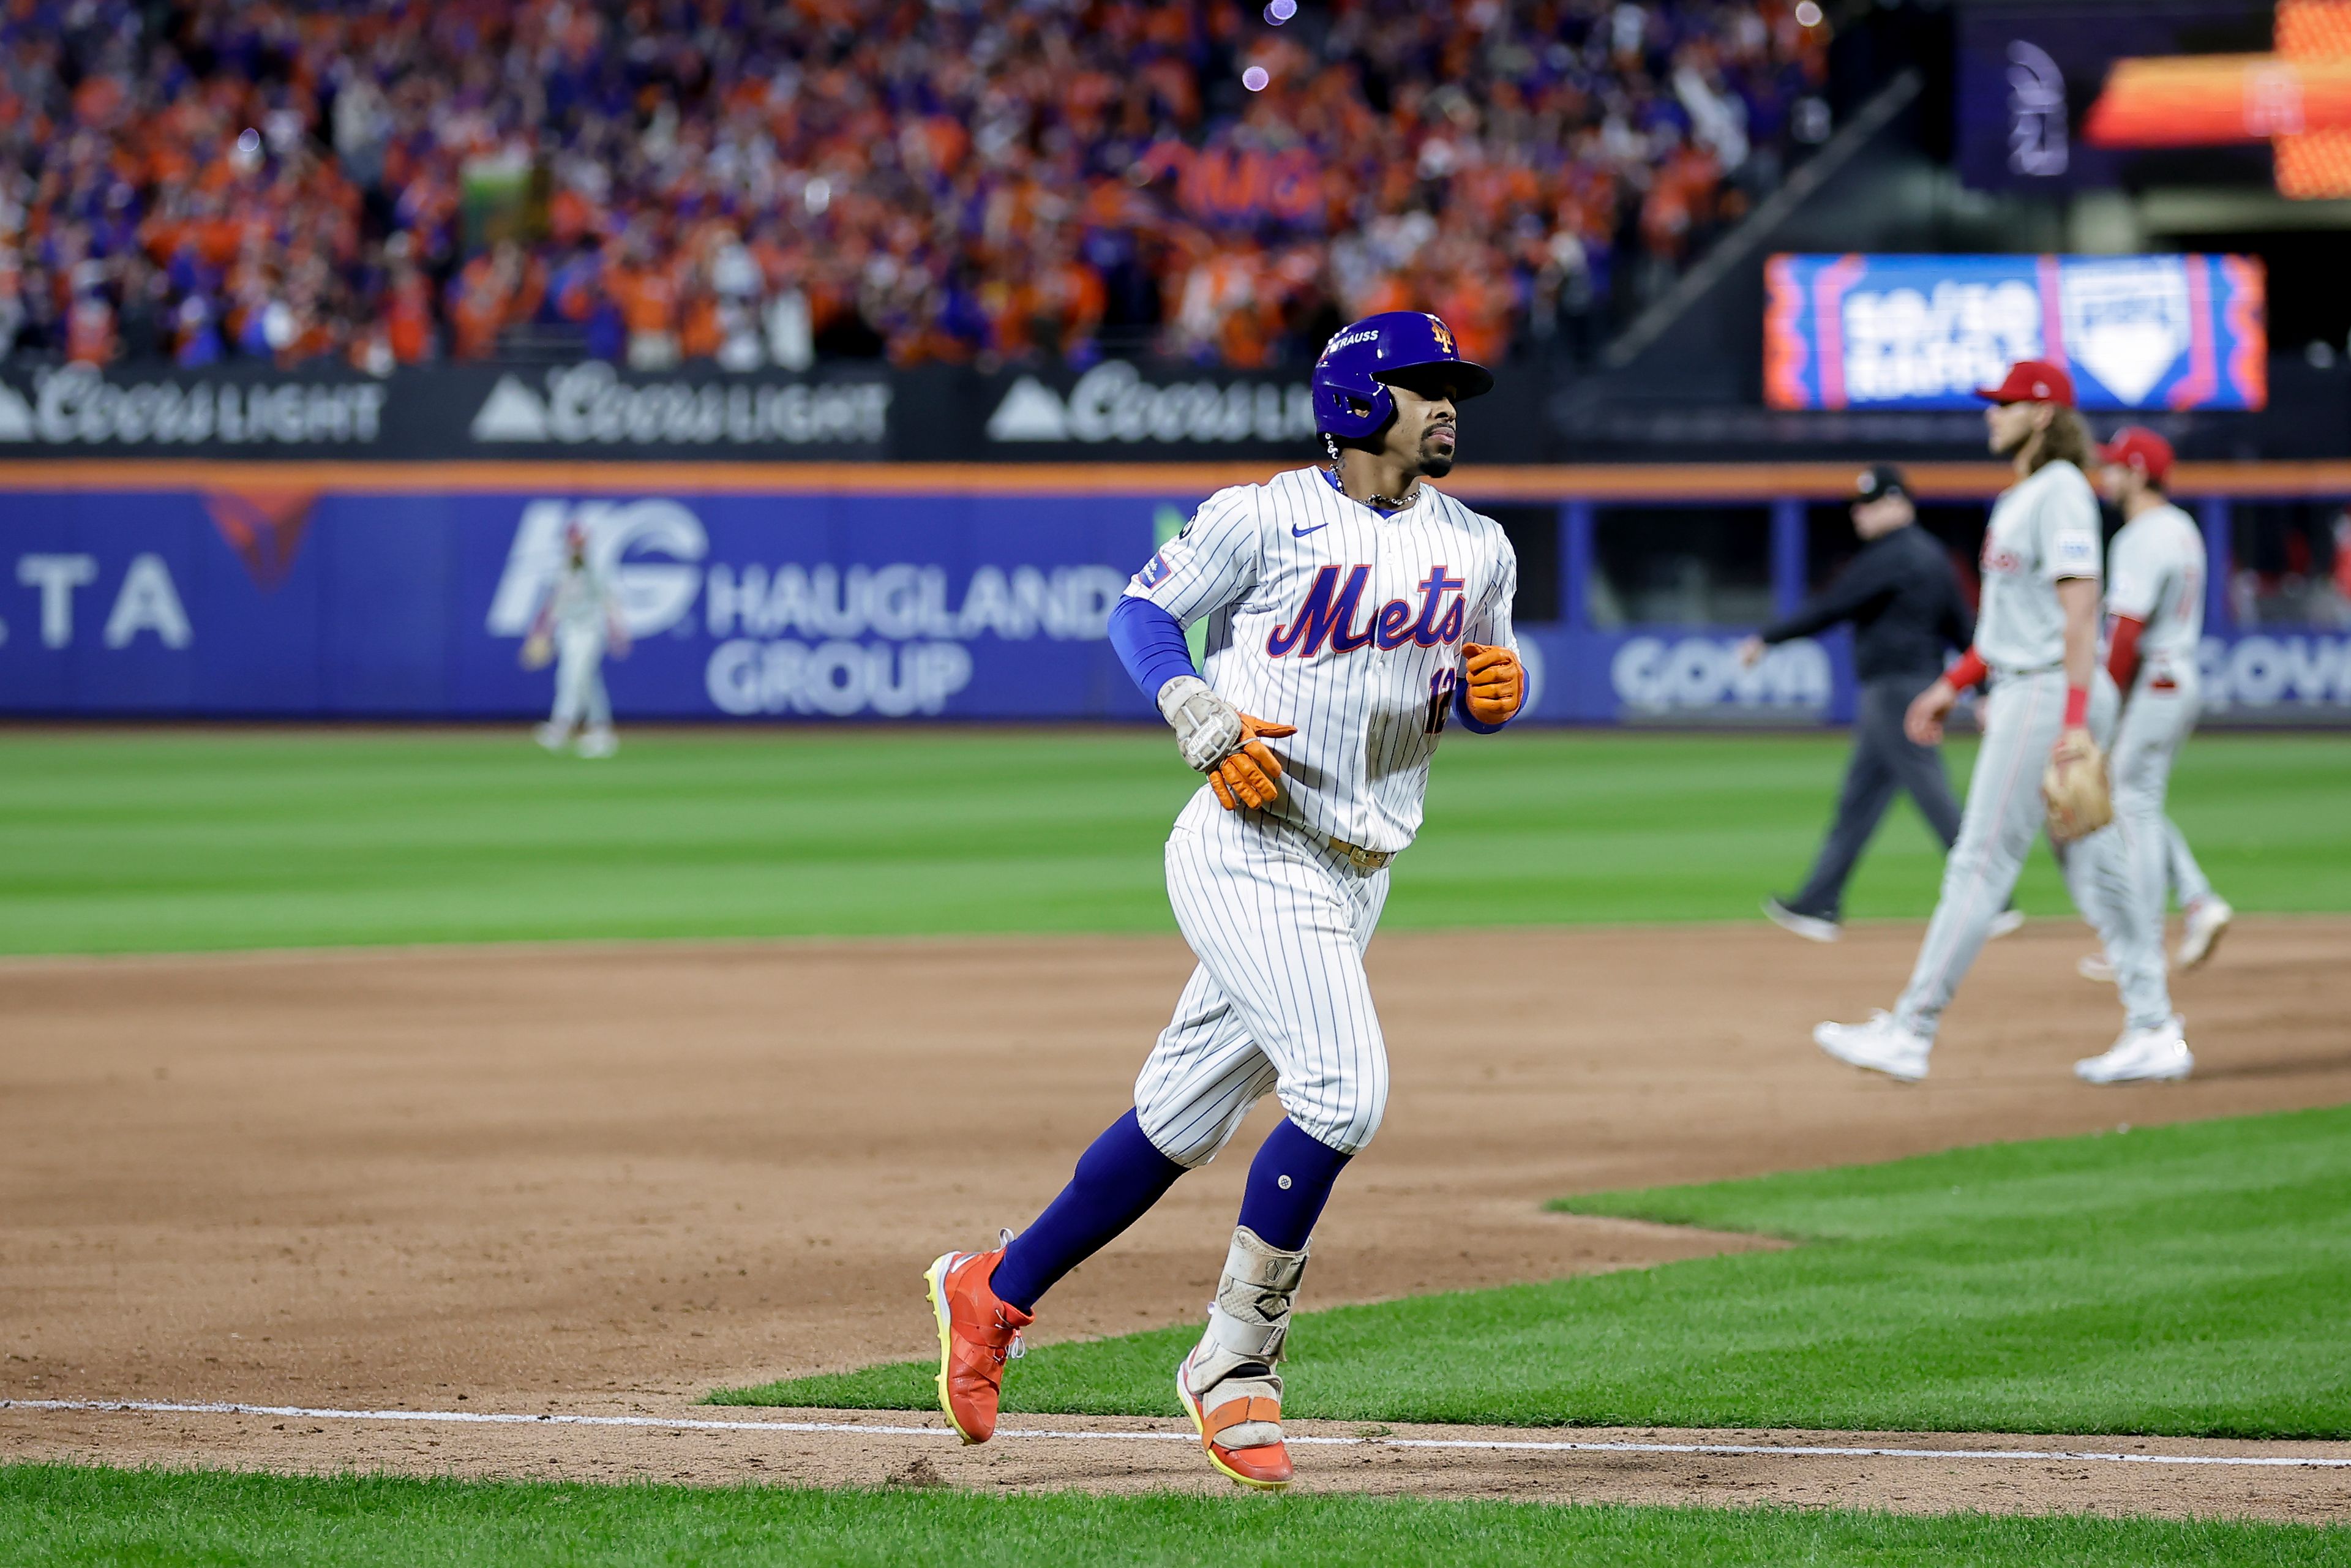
(2043,530)
(2157,577)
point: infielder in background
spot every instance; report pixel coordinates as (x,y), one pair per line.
(1350,611)
(579,622)
(1907,617)
(2037,635)
(2155,616)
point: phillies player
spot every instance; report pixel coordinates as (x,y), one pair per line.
(580,620)
(2155,609)
(2036,634)
(1352,611)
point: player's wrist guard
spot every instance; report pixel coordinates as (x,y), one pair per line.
(1207,728)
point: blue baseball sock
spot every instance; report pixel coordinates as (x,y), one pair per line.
(1289,1183)
(1121,1174)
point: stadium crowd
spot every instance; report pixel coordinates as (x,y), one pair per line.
(771,181)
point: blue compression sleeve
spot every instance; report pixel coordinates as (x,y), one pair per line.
(1150,643)
(1118,1178)
(1289,1183)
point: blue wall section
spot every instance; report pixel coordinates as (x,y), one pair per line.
(415,605)
(753,607)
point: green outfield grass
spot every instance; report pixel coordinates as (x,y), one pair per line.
(55,1515)
(2187,1280)
(132,841)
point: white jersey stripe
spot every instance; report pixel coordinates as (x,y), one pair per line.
(1325,614)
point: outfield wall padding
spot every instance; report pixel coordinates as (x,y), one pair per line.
(259,599)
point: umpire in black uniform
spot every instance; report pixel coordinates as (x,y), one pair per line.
(1904,603)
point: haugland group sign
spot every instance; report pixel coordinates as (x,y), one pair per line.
(1115,411)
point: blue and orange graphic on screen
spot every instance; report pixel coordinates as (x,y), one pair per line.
(1925,332)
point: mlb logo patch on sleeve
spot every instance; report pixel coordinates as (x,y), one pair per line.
(2077,550)
(1154,572)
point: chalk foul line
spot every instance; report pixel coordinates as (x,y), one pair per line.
(1529,1445)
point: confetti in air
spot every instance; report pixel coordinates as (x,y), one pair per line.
(1281,11)
(1254,79)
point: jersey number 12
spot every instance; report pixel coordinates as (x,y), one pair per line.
(1440,698)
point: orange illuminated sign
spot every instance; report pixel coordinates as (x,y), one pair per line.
(2297,99)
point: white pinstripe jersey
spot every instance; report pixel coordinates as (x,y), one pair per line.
(1324,614)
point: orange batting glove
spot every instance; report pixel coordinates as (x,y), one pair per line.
(1496,683)
(1252,775)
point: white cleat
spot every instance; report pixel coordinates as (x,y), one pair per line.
(2094,967)
(2142,1056)
(2208,920)
(1810,927)
(2005,924)
(598,743)
(1881,1045)
(551,737)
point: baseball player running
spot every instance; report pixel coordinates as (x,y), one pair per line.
(1905,611)
(2155,610)
(579,622)
(2036,634)
(1350,609)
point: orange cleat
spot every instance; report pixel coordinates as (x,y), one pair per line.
(1265,1465)
(978,1335)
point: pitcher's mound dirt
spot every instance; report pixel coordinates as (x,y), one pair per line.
(514,1178)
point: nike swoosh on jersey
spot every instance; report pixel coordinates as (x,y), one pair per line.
(1298,533)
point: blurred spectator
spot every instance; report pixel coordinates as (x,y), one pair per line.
(755,182)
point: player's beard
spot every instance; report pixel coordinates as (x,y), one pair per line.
(1436,464)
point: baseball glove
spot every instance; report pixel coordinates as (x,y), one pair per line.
(1496,683)
(1251,774)
(537,651)
(2073,786)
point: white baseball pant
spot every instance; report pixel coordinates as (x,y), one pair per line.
(2190,885)
(2155,725)
(1279,1002)
(2004,813)
(579,680)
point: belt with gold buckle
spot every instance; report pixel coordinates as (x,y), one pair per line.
(1369,860)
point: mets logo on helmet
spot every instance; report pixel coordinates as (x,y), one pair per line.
(1444,334)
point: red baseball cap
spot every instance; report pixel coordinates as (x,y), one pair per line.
(2138,443)
(2031,380)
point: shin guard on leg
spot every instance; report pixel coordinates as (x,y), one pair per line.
(1229,1382)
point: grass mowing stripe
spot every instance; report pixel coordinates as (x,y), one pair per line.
(2185,1280)
(124,841)
(57,1515)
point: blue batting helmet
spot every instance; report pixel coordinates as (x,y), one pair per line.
(1350,396)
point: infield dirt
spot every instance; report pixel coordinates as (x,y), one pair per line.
(592,1178)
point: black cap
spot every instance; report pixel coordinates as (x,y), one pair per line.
(1878,481)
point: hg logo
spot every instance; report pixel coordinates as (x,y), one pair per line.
(654,595)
